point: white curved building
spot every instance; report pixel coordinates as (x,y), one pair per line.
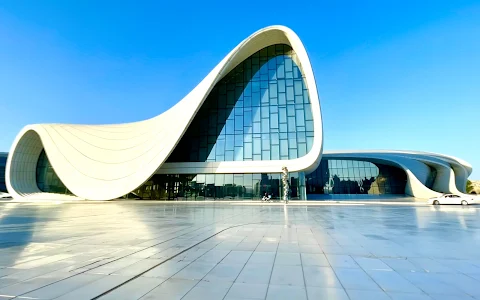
(254,113)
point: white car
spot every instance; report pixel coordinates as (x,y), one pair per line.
(451,199)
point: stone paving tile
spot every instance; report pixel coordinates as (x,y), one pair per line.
(224,272)
(134,289)
(94,288)
(237,257)
(62,287)
(262,258)
(356,279)
(255,273)
(208,291)
(321,277)
(171,288)
(408,296)
(248,291)
(288,259)
(391,281)
(314,292)
(341,261)
(284,292)
(367,295)
(367,252)
(288,275)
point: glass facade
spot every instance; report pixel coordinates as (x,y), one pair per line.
(339,176)
(216,187)
(259,111)
(47,179)
(3,163)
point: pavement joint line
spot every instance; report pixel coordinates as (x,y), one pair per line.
(77,273)
(168,259)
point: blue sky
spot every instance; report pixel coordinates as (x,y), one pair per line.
(390,74)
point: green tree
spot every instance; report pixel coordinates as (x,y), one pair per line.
(469,187)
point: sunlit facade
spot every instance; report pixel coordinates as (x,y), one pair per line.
(256,112)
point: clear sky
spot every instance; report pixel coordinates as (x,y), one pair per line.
(390,74)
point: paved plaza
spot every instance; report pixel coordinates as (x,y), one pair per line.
(152,250)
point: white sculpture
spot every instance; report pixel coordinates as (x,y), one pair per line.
(286,186)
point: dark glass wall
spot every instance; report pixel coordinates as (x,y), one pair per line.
(47,179)
(335,176)
(3,163)
(259,111)
(215,187)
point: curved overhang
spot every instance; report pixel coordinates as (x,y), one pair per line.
(101,162)
(451,172)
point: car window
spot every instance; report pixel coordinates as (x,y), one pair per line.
(455,196)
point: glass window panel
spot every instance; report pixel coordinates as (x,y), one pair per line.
(281,86)
(238,140)
(247,138)
(228,155)
(302,149)
(350,164)
(288,64)
(248,150)
(229,142)
(292,140)
(283,128)
(230,127)
(275,152)
(292,153)
(238,153)
(265,112)
(305,97)
(298,85)
(284,147)
(301,137)
(265,126)
(256,98)
(256,128)
(298,99)
(291,124)
(283,114)
(308,112)
(282,99)
(228,179)
(309,125)
(265,144)
(247,117)
(265,98)
(290,110)
(265,155)
(220,147)
(274,121)
(257,146)
(290,95)
(300,118)
(239,123)
(275,138)
(219,179)
(296,72)
(272,88)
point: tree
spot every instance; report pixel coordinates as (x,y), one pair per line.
(470,188)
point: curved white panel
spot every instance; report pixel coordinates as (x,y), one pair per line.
(450,171)
(108,161)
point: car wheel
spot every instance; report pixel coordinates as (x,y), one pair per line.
(464,202)
(436,202)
